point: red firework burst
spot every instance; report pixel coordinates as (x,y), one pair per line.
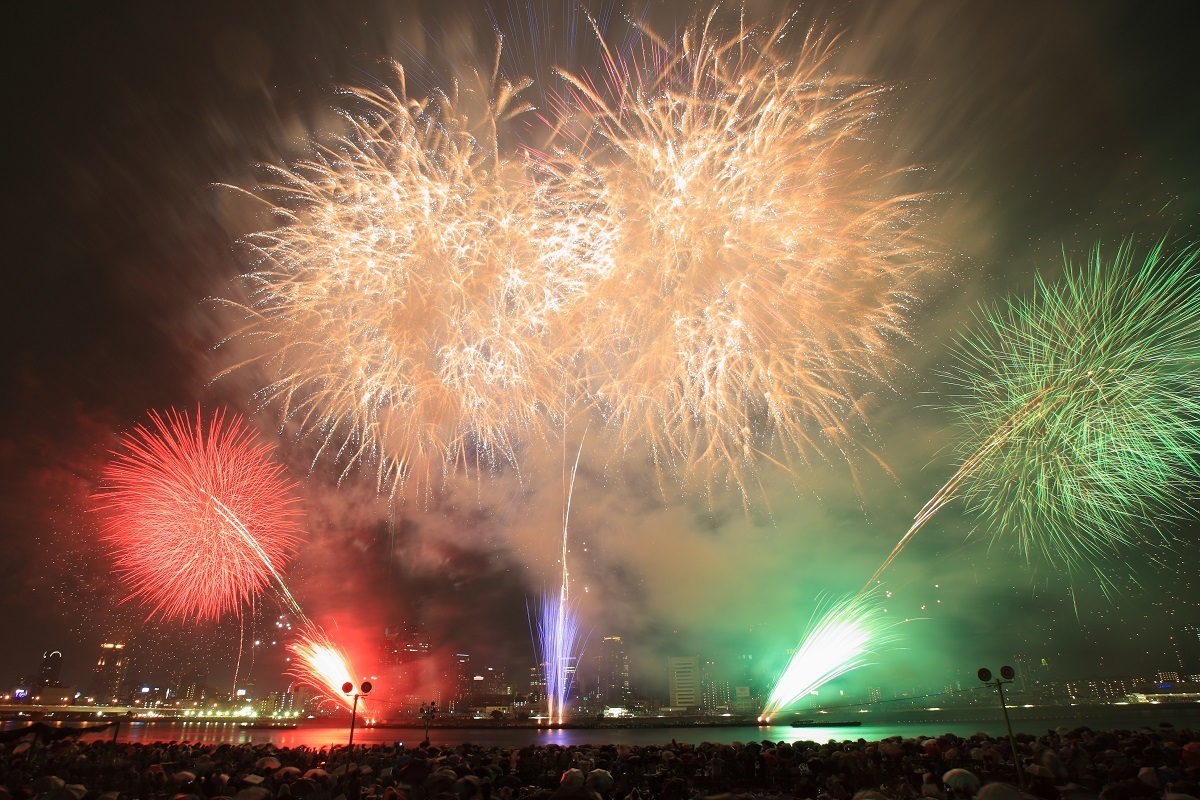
(200,518)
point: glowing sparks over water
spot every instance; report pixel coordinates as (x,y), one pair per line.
(321,665)
(1079,410)
(200,519)
(559,644)
(841,639)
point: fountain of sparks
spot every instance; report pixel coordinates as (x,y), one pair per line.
(841,638)
(321,665)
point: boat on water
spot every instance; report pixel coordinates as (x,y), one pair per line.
(820,723)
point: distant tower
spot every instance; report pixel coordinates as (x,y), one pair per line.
(492,680)
(746,698)
(408,675)
(612,672)
(405,644)
(109,673)
(714,691)
(1023,668)
(683,681)
(1186,645)
(460,681)
(1191,650)
(51,672)
(537,684)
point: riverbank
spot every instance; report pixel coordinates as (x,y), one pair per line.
(1066,765)
(1140,714)
(646,731)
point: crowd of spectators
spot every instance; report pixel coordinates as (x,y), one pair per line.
(1065,765)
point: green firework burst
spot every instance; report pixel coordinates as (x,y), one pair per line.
(1081,409)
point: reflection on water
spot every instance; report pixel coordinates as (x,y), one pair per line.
(323,734)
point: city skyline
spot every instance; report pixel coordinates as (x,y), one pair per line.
(410,674)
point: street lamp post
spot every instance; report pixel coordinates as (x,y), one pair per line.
(1006,676)
(427,711)
(348,688)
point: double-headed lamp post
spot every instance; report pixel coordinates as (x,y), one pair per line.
(348,688)
(427,711)
(1006,676)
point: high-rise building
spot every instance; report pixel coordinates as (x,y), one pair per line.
(1186,644)
(266,706)
(405,644)
(683,681)
(108,676)
(288,703)
(1023,681)
(458,681)
(491,680)
(490,687)
(537,684)
(51,671)
(611,666)
(196,692)
(714,690)
(746,697)
(191,688)
(408,675)
(570,670)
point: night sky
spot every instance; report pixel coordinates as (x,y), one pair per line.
(1039,128)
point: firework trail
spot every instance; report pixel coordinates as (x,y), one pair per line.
(765,264)
(839,639)
(1080,411)
(198,515)
(285,594)
(321,665)
(559,638)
